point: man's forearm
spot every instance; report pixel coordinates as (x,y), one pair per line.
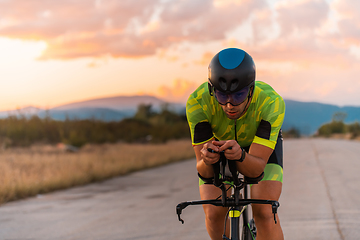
(204,170)
(251,166)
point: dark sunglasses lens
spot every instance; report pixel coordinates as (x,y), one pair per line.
(240,96)
(235,98)
(222,98)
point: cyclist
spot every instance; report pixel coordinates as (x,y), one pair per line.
(233,110)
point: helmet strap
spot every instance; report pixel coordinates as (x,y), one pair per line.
(211,88)
(246,106)
(251,91)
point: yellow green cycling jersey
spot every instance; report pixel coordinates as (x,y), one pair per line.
(260,124)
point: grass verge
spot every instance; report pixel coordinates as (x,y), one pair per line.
(41,169)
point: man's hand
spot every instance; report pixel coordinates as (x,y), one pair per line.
(231,148)
(210,158)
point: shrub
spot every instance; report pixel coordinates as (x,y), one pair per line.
(145,126)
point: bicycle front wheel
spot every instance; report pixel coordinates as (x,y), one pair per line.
(246,233)
(249,231)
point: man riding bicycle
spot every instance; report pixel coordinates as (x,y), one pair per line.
(233,113)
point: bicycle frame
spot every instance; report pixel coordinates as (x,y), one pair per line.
(237,206)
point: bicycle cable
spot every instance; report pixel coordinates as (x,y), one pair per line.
(224,235)
(231,186)
(226,218)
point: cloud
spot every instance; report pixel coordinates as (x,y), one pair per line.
(126,28)
(262,25)
(297,39)
(305,15)
(318,84)
(179,91)
(349,21)
(206,58)
(298,32)
(203,20)
(292,31)
(79,28)
(54,19)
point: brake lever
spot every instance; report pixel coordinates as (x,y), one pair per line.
(275,205)
(179,209)
(182,221)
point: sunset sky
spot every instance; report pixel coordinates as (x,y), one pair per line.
(56,52)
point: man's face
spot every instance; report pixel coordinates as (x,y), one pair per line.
(235,112)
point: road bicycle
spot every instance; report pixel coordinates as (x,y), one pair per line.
(237,203)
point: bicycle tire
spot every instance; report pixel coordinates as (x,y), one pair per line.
(252,227)
(246,233)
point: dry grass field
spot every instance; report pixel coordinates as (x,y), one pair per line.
(30,171)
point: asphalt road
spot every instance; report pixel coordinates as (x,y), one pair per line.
(320,200)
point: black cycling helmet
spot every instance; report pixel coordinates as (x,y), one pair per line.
(231,70)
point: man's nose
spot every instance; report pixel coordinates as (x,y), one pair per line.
(228,105)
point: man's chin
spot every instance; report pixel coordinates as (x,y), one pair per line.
(232,116)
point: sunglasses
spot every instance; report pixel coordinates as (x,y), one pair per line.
(234,99)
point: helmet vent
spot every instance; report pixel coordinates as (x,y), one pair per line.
(234,84)
(222,83)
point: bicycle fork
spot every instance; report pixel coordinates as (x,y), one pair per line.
(234,215)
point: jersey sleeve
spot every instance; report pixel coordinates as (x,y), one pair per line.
(199,125)
(271,121)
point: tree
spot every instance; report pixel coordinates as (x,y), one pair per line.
(339,117)
(144,112)
(354,129)
(337,125)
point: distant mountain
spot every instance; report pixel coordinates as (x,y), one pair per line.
(105,109)
(115,103)
(307,117)
(26,111)
(103,114)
